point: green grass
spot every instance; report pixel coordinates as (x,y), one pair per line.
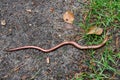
(104,67)
(104,14)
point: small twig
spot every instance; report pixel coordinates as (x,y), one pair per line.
(19,66)
(61,44)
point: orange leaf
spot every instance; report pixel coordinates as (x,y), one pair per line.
(95,30)
(68,17)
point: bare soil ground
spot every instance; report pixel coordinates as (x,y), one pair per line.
(40,23)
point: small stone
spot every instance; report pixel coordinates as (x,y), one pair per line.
(48,60)
(10,30)
(69,26)
(59,35)
(24,77)
(28,10)
(30,24)
(3,22)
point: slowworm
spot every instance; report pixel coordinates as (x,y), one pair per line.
(60,45)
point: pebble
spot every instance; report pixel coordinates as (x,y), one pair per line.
(28,10)
(48,60)
(30,24)
(3,22)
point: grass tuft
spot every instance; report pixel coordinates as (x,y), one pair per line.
(104,66)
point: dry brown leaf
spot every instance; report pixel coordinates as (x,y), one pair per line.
(51,9)
(68,17)
(95,30)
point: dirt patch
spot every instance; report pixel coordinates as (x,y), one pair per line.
(40,23)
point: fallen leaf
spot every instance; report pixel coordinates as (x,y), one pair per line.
(3,22)
(68,17)
(95,30)
(51,9)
